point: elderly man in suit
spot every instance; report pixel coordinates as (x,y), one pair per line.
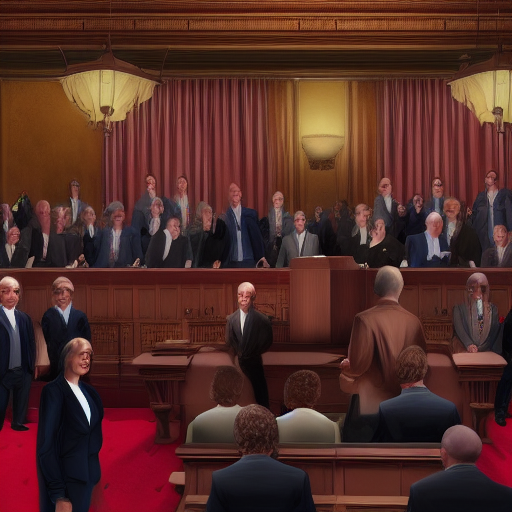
(436,202)
(11,253)
(298,243)
(416,415)
(248,335)
(257,481)
(17,354)
(461,487)
(428,249)
(378,336)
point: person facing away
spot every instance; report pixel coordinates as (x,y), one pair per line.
(258,482)
(416,415)
(461,487)
(303,424)
(216,425)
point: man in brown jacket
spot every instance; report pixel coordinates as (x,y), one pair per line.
(378,336)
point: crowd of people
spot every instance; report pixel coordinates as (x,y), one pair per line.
(435,232)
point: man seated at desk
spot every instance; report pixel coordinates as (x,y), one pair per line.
(303,424)
(416,415)
(216,425)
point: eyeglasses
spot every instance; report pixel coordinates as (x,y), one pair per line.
(60,291)
(473,289)
(438,184)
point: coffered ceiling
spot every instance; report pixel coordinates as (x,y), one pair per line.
(271,38)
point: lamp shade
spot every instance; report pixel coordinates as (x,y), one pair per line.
(321,150)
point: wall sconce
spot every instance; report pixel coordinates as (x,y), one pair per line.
(486,89)
(321,150)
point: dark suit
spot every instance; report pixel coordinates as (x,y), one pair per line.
(19,381)
(490,257)
(256,340)
(141,215)
(129,248)
(461,488)
(259,483)
(395,224)
(17,259)
(290,248)
(415,416)
(91,245)
(464,246)
(416,251)
(32,244)
(252,240)
(177,253)
(57,334)
(68,445)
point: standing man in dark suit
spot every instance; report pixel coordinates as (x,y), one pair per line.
(461,487)
(416,415)
(387,208)
(428,249)
(169,249)
(248,335)
(258,482)
(17,354)
(11,253)
(436,202)
(69,435)
(247,248)
(76,205)
(298,243)
(62,323)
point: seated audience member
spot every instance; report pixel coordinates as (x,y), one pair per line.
(61,223)
(40,242)
(378,336)
(141,215)
(155,223)
(322,227)
(208,238)
(181,200)
(168,248)
(342,223)
(299,243)
(416,216)
(476,322)
(216,425)
(257,481)
(62,323)
(462,240)
(416,415)
(461,487)
(91,234)
(303,424)
(119,245)
(428,249)
(384,249)
(388,209)
(246,247)
(277,225)
(436,202)
(360,241)
(11,254)
(504,390)
(501,254)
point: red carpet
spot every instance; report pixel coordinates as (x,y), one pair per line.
(135,471)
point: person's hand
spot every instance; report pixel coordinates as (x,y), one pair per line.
(345,365)
(263,263)
(473,349)
(41,370)
(469,212)
(136,263)
(401,210)
(418,208)
(216,264)
(188,264)
(63,505)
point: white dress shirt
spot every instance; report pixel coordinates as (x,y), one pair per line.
(81,398)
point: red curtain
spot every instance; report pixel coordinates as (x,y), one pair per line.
(212,131)
(423,133)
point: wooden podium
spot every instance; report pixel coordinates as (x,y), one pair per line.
(325,295)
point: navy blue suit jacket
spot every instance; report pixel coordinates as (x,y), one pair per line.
(67,445)
(129,248)
(27,339)
(258,482)
(252,239)
(462,488)
(415,416)
(416,250)
(57,333)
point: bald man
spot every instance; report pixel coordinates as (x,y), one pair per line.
(461,487)
(428,249)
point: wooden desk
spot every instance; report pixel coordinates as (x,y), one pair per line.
(161,375)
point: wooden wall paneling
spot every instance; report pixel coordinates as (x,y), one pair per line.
(367,479)
(99,303)
(500,297)
(413,473)
(169,300)
(35,301)
(320,475)
(124,303)
(213,301)
(266,301)
(190,302)
(409,300)
(157,332)
(430,299)
(147,303)
(454,295)
(80,298)
(105,338)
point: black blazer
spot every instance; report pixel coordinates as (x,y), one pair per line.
(27,339)
(17,260)
(67,445)
(177,256)
(57,333)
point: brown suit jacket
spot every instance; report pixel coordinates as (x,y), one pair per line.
(379,334)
